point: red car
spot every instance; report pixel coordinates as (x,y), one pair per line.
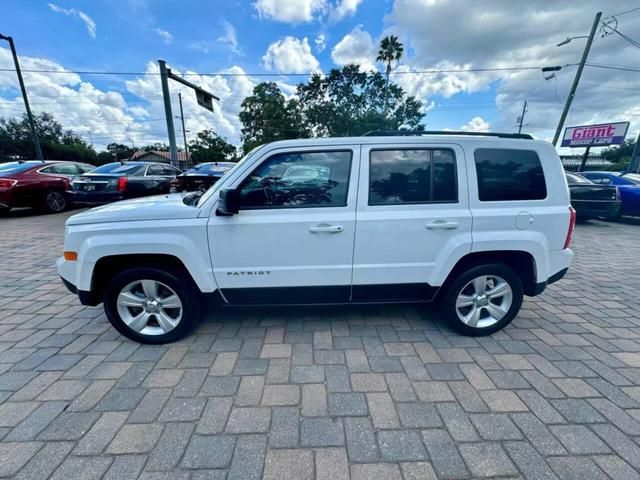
(37,184)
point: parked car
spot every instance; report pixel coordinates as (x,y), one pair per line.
(200,177)
(591,200)
(473,220)
(119,181)
(37,184)
(628,184)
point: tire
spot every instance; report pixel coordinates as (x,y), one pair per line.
(159,324)
(54,201)
(505,302)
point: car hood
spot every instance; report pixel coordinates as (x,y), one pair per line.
(159,207)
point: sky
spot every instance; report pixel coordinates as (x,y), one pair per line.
(472,64)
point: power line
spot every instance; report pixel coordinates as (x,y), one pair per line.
(291,74)
(614,67)
(625,12)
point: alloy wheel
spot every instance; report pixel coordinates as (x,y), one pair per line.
(149,307)
(484,301)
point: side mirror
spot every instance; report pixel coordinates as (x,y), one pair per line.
(228,202)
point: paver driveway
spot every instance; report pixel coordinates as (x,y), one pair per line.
(380,392)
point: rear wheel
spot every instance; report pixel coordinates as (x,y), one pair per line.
(483,299)
(54,201)
(150,305)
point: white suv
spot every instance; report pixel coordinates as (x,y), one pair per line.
(474,221)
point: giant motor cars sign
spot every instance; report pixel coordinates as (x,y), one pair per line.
(595,135)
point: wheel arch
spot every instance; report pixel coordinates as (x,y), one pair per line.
(522,263)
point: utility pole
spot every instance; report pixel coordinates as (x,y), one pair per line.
(634,165)
(524,110)
(164,80)
(184,132)
(576,80)
(34,134)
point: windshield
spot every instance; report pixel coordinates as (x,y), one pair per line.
(574,179)
(15,167)
(216,186)
(632,177)
(116,168)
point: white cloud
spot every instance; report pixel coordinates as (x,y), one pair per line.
(344,8)
(106,116)
(230,38)
(290,55)
(291,11)
(165,35)
(476,124)
(72,12)
(356,47)
(321,42)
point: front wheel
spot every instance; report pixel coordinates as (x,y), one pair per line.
(151,305)
(483,299)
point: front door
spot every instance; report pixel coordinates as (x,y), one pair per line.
(292,240)
(413,220)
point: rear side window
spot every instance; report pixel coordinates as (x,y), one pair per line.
(412,176)
(509,174)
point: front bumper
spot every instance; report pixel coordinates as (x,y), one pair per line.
(66,273)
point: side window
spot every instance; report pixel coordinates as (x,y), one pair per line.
(50,169)
(155,170)
(169,171)
(84,167)
(509,174)
(412,176)
(66,169)
(304,179)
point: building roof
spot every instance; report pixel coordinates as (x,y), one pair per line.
(166,155)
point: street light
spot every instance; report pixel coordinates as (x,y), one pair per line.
(568,39)
(34,134)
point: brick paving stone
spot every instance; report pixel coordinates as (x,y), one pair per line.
(321,432)
(487,460)
(248,458)
(286,464)
(211,451)
(331,464)
(367,471)
(401,446)
(249,420)
(559,389)
(14,455)
(135,439)
(170,447)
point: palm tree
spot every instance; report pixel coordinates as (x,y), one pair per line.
(390,50)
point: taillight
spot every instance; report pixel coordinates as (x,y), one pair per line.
(572,225)
(122,184)
(7,183)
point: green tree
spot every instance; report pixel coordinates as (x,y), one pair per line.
(390,51)
(620,155)
(208,146)
(57,144)
(267,116)
(349,102)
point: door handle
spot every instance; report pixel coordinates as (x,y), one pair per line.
(324,228)
(442,225)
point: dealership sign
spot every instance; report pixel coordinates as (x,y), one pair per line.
(595,135)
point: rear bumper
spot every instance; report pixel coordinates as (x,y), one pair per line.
(595,208)
(80,197)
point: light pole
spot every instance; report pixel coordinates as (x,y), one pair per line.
(576,80)
(32,125)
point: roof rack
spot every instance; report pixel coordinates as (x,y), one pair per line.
(392,133)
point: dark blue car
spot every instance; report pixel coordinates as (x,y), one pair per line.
(200,177)
(628,184)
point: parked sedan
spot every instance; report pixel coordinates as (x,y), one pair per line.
(593,201)
(37,184)
(200,177)
(118,181)
(627,183)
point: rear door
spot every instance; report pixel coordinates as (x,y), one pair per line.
(413,220)
(292,240)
